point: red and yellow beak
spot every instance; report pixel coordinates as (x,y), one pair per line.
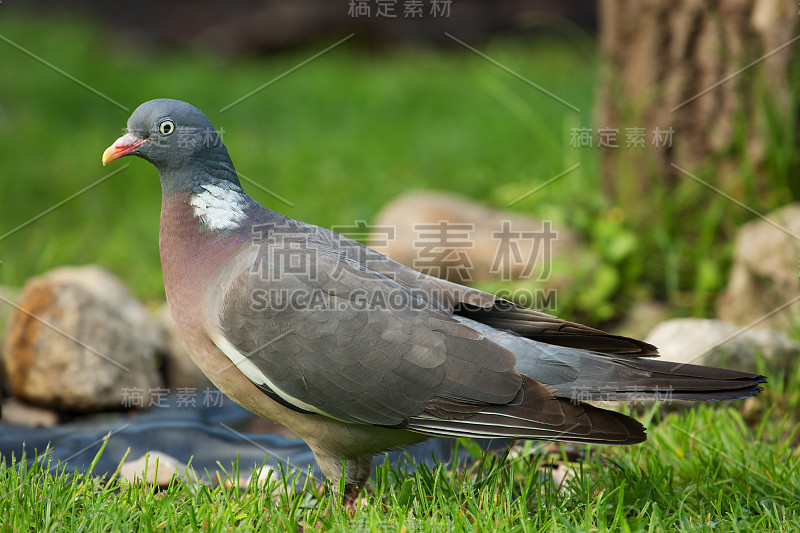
(122,147)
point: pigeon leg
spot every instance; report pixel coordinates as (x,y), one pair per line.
(356,473)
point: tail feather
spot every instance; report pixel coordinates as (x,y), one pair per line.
(557,379)
(587,375)
(538,326)
(525,419)
(629,379)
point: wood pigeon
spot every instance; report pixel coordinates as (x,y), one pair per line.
(358,354)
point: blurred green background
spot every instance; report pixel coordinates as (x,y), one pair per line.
(337,139)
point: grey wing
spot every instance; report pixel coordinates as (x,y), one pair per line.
(490,309)
(352,344)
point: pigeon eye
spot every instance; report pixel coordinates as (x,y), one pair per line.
(166,127)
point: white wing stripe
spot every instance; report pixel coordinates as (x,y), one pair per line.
(255,375)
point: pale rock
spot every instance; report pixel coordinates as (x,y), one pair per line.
(260,478)
(18,413)
(156,468)
(475,236)
(78,341)
(641,318)
(716,343)
(765,272)
(8,296)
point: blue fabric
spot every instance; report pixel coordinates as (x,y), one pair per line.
(206,435)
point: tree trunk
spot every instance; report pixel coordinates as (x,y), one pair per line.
(673,64)
(722,77)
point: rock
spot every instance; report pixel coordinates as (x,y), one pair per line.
(79,342)
(8,297)
(7,294)
(18,413)
(765,272)
(156,468)
(641,318)
(261,477)
(717,343)
(476,243)
(177,368)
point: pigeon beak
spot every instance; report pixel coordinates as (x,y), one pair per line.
(122,147)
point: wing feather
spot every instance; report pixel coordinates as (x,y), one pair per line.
(338,350)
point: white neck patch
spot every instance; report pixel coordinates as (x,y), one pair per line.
(218,207)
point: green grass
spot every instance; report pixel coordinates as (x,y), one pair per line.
(713,467)
(705,469)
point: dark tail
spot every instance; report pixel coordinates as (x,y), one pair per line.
(557,412)
(536,414)
(635,378)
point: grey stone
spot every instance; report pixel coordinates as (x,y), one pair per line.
(156,468)
(22,414)
(79,342)
(475,242)
(717,343)
(7,294)
(641,318)
(765,272)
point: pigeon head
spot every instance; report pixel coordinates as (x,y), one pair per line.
(179,140)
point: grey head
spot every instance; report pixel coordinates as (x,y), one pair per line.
(179,140)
